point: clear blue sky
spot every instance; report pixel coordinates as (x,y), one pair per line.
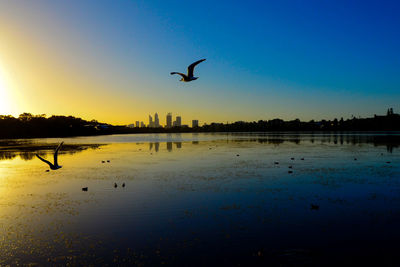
(265,59)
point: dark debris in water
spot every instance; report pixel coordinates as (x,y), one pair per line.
(314,207)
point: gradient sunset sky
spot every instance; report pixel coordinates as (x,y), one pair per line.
(110,60)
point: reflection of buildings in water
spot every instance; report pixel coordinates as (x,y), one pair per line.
(169,146)
(178,144)
(156,146)
(389,147)
(195,142)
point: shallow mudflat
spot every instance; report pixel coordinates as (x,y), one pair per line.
(201,199)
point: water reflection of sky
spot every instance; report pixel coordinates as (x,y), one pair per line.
(219,196)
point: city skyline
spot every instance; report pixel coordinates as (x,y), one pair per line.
(286,60)
(154,122)
(169,123)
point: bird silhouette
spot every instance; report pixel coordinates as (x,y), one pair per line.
(189,77)
(54,166)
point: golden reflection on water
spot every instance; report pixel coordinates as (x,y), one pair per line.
(47,216)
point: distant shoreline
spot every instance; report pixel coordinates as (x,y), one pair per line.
(38,126)
(318,132)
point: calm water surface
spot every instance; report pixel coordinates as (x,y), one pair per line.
(202,199)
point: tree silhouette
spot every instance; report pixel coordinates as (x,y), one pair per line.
(28,125)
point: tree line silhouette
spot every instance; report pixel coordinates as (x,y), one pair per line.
(29,126)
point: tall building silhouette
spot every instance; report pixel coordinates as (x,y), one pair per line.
(151,124)
(142,124)
(195,123)
(137,124)
(156,120)
(178,121)
(169,120)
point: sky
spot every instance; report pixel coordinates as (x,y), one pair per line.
(111,60)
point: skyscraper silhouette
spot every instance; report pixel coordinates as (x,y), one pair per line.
(151,124)
(169,120)
(178,121)
(156,120)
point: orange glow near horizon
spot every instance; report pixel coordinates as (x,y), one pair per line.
(6,107)
(34,80)
(37,81)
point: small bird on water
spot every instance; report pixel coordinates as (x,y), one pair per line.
(314,207)
(189,77)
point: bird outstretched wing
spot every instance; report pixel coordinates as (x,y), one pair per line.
(183,75)
(56,153)
(191,67)
(45,161)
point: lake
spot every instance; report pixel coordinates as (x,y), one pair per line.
(202,199)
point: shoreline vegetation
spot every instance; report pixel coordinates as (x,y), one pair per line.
(38,126)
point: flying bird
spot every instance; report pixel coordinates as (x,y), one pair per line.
(189,77)
(54,166)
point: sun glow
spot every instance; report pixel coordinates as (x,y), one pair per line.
(5,96)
